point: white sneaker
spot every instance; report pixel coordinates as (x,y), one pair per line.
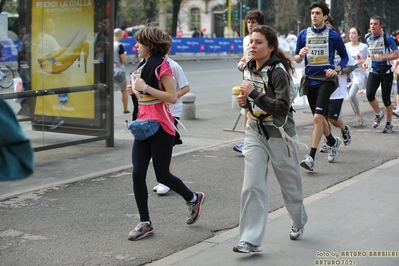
(245,247)
(155,188)
(396,112)
(333,151)
(308,163)
(162,189)
(296,233)
(324,148)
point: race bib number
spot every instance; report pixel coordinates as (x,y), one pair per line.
(317,44)
(376,47)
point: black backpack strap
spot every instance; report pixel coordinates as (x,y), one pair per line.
(270,72)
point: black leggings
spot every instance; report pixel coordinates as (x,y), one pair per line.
(374,81)
(159,148)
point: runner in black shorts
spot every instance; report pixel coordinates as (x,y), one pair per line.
(317,45)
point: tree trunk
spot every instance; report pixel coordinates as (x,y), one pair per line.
(175,15)
(354,16)
(2,2)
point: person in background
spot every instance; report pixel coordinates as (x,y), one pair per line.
(291,39)
(317,45)
(119,65)
(125,34)
(396,75)
(334,112)
(359,52)
(16,153)
(182,88)
(102,50)
(270,136)
(254,18)
(196,33)
(381,72)
(155,89)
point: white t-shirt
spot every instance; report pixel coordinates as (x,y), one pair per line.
(180,81)
(246,48)
(291,39)
(340,92)
(358,53)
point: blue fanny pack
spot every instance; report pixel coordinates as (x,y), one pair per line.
(143,129)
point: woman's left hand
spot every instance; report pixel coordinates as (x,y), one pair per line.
(139,84)
(246,87)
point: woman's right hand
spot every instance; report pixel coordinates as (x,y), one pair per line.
(130,90)
(242,99)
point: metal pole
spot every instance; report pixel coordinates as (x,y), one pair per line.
(240,10)
(259,5)
(229,31)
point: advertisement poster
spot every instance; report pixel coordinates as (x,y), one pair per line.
(62,56)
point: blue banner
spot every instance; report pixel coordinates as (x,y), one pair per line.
(194,45)
(9,50)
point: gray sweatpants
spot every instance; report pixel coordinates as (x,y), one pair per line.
(255,192)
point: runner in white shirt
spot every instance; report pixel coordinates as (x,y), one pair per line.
(359,52)
(182,88)
(254,18)
(291,39)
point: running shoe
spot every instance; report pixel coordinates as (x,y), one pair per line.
(245,247)
(346,135)
(56,123)
(308,163)
(359,122)
(396,112)
(238,147)
(296,233)
(162,189)
(194,209)
(324,148)
(126,112)
(333,150)
(388,129)
(140,231)
(377,120)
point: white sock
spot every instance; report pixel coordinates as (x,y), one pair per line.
(194,199)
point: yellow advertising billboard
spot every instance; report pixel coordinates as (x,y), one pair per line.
(62,56)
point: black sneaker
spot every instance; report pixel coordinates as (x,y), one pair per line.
(388,129)
(346,135)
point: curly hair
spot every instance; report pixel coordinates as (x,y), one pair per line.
(322,5)
(256,15)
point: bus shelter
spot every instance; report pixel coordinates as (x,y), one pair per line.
(56,72)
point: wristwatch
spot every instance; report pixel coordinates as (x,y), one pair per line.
(338,68)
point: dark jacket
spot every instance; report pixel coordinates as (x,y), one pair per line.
(276,101)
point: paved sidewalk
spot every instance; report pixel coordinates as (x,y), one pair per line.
(352,223)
